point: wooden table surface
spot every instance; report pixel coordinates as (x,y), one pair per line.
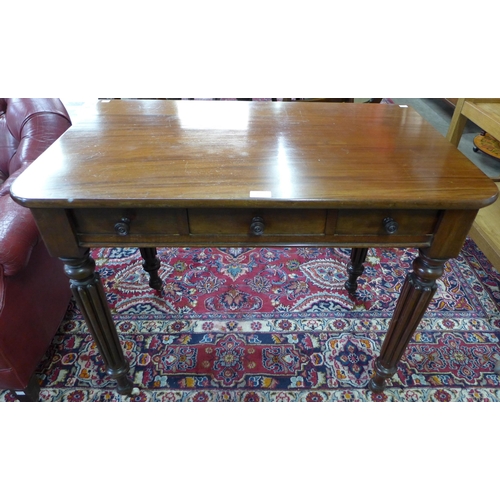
(225,153)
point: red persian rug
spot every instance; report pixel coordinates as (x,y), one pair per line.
(276,324)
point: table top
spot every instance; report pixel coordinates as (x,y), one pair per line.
(140,153)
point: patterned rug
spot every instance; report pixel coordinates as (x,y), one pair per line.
(276,324)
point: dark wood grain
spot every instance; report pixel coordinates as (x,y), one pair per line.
(213,153)
(90,297)
(418,290)
(197,173)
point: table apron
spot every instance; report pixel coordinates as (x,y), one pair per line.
(237,241)
(252,227)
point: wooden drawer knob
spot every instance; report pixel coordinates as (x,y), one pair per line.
(390,225)
(122,228)
(257,226)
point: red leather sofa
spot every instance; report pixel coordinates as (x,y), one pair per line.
(34,291)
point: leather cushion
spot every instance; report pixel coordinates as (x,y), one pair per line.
(18,235)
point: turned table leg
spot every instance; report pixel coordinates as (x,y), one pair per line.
(355,268)
(417,292)
(90,297)
(152,265)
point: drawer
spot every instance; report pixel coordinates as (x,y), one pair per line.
(386,222)
(129,222)
(257,222)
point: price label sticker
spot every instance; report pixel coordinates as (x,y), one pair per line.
(260,194)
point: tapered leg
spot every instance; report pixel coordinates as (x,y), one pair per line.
(91,299)
(355,268)
(152,265)
(417,292)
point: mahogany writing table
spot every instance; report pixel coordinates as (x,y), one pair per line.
(223,173)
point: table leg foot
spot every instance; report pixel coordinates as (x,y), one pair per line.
(417,292)
(377,383)
(124,385)
(151,266)
(89,295)
(355,268)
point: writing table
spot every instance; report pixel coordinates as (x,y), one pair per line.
(223,173)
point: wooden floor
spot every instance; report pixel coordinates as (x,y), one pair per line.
(486,232)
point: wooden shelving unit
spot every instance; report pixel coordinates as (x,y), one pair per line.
(485,232)
(485,113)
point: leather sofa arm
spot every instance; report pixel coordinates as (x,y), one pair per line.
(18,235)
(36,124)
(37,133)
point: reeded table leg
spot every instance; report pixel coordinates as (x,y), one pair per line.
(152,265)
(90,297)
(355,268)
(417,292)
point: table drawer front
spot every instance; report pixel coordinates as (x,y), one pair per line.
(250,222)
(386,222)
(249,226)
(129,222)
